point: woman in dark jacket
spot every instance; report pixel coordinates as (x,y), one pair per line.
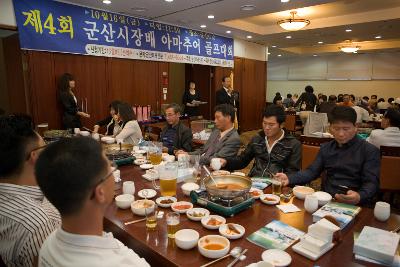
(71,114)
(109,122)
(190,95)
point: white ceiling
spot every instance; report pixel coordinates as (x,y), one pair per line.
(329,19)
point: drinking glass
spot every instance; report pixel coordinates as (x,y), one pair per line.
(276,186)
(311,203)
(41,128)
(151,217)
(172,223)
(168,176)
(128,187)
(382,211)
(216,164)
(155,153)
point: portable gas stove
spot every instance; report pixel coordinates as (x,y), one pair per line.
(227,208)
(121,158)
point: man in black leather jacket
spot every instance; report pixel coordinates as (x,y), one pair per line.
(272,149)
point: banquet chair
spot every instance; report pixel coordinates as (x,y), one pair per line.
(290,124)
(316,122)
(390,170)
(310,148)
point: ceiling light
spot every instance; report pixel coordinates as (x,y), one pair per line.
(349,47)
(348,30)
(203,26)
(288,37)
(269,53)
(248,7)
(279,55)
(355,52)
(228,31)
(107,2)
(210,16)
(315,55)
(139,9)
(378,37)
(249,36)
(285,1)
(293,24)
(274,46)
(320,42)
(169,0)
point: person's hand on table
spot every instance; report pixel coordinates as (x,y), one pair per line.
(283,178)
(352,197)
(96,128)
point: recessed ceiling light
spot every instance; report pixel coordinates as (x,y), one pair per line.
(355,52)
(248,7)
(348,30)
(279,55)
(210,16)
(139,9)
(320,42)
(228,31)
(274,46)
(169,0)
(288,37)
(285,1)
(269,53)
(107,2)
(378,37)
(315,55)
(203,26)
(249,36)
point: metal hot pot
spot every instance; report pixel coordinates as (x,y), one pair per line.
(227,194)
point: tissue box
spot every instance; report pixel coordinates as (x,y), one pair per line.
(313,244)
(377,244)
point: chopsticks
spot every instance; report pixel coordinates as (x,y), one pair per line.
(395,230)
(237,258)
(135,221)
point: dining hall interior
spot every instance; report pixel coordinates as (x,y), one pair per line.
(200,132)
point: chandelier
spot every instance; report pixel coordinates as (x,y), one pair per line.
(349,47)
(293,24)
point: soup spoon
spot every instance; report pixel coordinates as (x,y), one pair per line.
(234,253)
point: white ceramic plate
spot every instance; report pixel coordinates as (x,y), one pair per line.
(276,257)
(224,231)
(140,161)
(181,203)
(108,140)
(166,205)
(191,212)
(149,177)
(205,220)
(222,172)
(140,151)
(259,191)
(239,173)
(150,193)
(270,202)
(146,166)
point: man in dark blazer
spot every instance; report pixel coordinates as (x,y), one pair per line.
(226,95)
(224,141)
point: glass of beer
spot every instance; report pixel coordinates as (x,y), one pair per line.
(172,223)
(151,218)
(168,175)
(276,186)
(41,128)
(155,153)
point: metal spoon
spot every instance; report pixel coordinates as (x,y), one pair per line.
(209,174)
(234,253)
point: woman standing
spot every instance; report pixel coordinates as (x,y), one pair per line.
(129,132)
(191,109)
(72,114)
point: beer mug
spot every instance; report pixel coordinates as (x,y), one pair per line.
(168,174)
(276,186)
(172,223)
(42,128)
(155,152)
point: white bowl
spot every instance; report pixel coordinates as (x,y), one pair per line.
(186,238)
(165,205)
(270,196)
(224,231)
(205,221)
(84,133)
(180,203)
(213,239)
(323,197)
(138,208)
(188,187)
(108,139)
(124,201)
(190,214)
(150,193)
(302,191)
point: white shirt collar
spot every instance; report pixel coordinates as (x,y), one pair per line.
(103,242)
(227,91)
(225,132)
(269,148)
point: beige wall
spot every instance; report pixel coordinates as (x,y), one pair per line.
(4,101)
(7,16)
(249,50)
(383,88)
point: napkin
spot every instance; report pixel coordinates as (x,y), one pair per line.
(288,208)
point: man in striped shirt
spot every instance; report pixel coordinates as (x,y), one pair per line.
(26,216)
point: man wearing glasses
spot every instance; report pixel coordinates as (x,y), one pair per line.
(351,165)
(77,178)
(26,216)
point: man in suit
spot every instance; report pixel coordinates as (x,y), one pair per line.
(226,95)
(224,141)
